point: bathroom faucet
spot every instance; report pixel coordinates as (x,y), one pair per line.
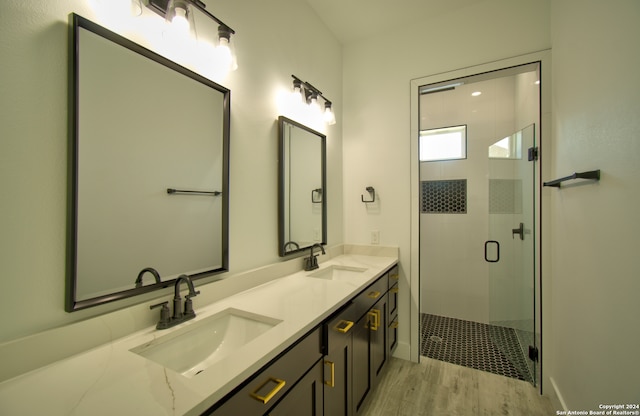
(178,315)
(295,245)
(151,270)
(177,300)
(311,262)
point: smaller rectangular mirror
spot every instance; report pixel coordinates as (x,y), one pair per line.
(302,190)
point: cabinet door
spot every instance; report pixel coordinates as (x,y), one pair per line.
(392,336)
(378,326)
(393,302)
(361,363)
(338,366)
(305,399)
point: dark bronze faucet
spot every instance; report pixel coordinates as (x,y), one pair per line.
(311,262)
(179,315)
(151,270)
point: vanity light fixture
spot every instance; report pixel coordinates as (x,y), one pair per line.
(306,92)
(181,15)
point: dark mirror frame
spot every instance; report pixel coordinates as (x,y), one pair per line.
(282,121)
(71,302)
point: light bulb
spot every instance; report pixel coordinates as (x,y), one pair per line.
(313,103)
(225,50)
(329,116)
(224,53)
(180,22)
(296,94)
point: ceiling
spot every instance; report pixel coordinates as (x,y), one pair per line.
(351,20)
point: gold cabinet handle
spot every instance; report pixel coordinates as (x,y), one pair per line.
(394,290)
(373,294)
(332,366)
(376,319)
(394,276)
(394,325)
(343,326)
(265,399)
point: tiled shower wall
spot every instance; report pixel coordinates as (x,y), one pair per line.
(454,275)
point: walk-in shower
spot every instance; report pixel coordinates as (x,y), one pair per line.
(478,218)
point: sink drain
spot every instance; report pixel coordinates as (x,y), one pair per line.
(435,338)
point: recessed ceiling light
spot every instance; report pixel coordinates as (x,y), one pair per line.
(476,93)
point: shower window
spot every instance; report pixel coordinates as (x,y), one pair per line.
(448,143)
(507,148)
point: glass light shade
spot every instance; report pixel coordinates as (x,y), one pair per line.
(136,7)
(226,51)
(180,18)
(314,109)
(297,93)
(329,116)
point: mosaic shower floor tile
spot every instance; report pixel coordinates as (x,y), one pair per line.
(490,348)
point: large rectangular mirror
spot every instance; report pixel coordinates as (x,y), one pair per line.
(302,188)
(150,156)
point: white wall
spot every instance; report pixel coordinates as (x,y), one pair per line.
(34,134)
(595,228)
(377,74)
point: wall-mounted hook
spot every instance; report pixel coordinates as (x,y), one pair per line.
(372,194)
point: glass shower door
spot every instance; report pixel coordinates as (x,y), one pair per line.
(510,248)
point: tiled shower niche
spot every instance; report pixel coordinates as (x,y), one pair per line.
(505,196)
(444,197)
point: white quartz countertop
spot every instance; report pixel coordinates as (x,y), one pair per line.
(112,380)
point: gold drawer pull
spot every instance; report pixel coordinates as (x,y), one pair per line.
(373,294)
(265,399)
(394,290)
(343,326)
(394,325)
(394,276)
(375,314)
(332,365)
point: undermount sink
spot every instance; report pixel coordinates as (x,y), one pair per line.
(191,350)
(338,272)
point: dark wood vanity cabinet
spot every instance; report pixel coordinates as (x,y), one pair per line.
(359,339)
(331,370)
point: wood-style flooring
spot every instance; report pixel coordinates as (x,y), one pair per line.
(434,388)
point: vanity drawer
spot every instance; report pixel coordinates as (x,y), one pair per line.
(393,276)
(339,327)
(260,393)
(365,300)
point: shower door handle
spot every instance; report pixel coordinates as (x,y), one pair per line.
(519,230)
(486,256)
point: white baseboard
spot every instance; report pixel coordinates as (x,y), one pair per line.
(403,351)
(556,397)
